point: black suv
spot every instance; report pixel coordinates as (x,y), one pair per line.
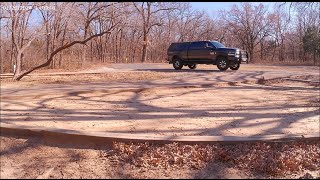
(205,52)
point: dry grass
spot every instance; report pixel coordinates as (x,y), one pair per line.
(87,66)
(82,78)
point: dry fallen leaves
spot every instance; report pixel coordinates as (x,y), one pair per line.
(269,158)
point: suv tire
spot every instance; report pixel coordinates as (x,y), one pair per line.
(222,63)
(177,63)
(192,66)
(235,66)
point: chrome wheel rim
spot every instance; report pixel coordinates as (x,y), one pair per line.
(223,64)
(177,63)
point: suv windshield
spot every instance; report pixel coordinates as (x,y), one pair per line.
(217,44)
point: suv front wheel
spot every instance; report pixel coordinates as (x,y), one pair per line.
(222,64)
(177,63)
(192,66)
(236,66)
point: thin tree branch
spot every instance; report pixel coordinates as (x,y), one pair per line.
(57,51)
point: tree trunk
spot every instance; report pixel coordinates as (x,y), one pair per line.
(314,58)
(144,48)
(120,45)
(250,52)
(91,53)
(62,42)
(133,55)
(60,59)
(83,55)
(52,49)
(18,66)
(116,50)
(103,50)
(14,63)
(293,53)
(261,51)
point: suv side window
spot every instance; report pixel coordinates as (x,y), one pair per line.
(198,45)
(210,45)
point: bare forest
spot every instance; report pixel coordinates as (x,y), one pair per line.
(70,35)
(90,90)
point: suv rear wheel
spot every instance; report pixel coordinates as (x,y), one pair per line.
(177,63)
(222,64)
(236,66)
(192,66)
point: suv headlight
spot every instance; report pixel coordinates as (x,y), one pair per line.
(237,54)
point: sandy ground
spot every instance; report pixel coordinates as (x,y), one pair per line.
(154,99)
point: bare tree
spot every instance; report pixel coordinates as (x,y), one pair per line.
(68,45)
(18,16)
(90,12)
(250,24)
(18,27)
(145,30)
(148,11)
(2,17)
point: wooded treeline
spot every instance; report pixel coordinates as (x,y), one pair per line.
(131,32)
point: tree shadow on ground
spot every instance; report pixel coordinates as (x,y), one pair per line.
(137,107)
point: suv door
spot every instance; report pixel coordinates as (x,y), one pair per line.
(198,52)
(183,51)
(212,55)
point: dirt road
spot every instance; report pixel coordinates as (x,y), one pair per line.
(155,99)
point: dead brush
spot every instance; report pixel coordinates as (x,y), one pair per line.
(261,80)
(272,159)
